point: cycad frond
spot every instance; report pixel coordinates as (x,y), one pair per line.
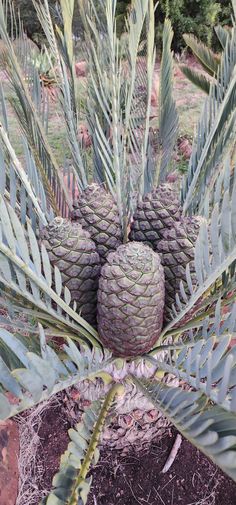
(67,7)
(197,78)
(222,34)
(168,116)
(22,186)
(210,428)
(119,133)
(32,126)
(71,485)
(44,374)
(215,252)
(61,48)
(214,129)
(207,363)
(24,190)
(209,60)
(26,277)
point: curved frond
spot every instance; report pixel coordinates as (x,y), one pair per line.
(118,121)
(197,78)
(27,278)
(71,485)
(207,362)
(209,60)
(24,190)
(168,116)
(213,129)
(222,34)
(209,427)
(43,374)
(61,47)
(32,125)
(215,253)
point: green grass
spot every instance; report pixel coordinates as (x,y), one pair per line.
(189,103)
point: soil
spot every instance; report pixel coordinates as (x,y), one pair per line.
(9,451)
(53,435)
(136,478)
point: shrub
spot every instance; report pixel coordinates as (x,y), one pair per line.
(192,16)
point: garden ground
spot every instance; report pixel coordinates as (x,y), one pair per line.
(136,478)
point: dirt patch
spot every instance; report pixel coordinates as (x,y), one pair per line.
(136,478)
(9,450)
(54,439)
(192,480)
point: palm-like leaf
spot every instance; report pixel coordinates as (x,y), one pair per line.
(209,60)
(215,253)
(168,116)
(209,427)
(26,276)
(214,130)
(24,190)
(45,374)
(22,187)
(116,126)
(61,48)
(197,78)
(207,362)
(70,483)
(222,34)
(31,124)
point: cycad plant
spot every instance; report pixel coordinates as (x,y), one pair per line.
(165,298)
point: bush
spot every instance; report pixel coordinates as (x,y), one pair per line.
(29,18)
(192,16)
(121,11)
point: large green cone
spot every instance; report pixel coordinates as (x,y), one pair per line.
(71,249)
(97,213)
(177,250)
(131,300)
(157,212)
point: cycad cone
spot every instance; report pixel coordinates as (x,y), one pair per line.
(71,249)
(131,300)
(97,212)
(177,250)
(157,212)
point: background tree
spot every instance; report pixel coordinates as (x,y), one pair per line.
(190,16)
(121,11)
(29,18)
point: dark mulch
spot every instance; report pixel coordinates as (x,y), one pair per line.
(135,478)
(54,439)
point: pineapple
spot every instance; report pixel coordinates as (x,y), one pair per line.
(177,251)
(97,212)
(131,300)
(71,249)
(157,212)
